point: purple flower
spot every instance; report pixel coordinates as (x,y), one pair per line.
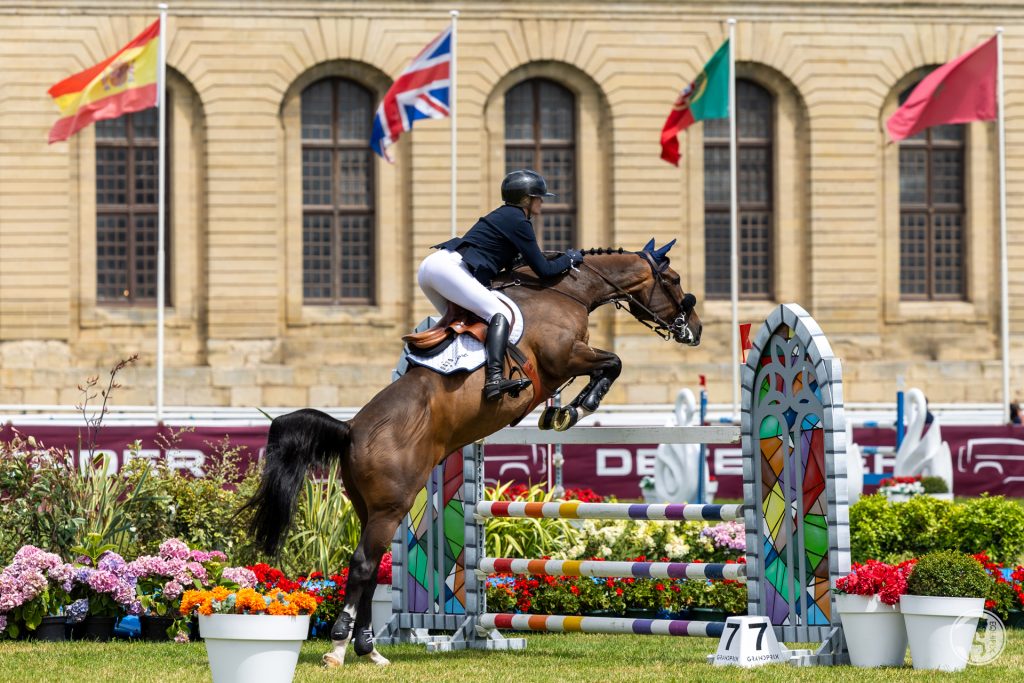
(3,622)
(112,562)
(78,610)
(173,549)
(182,637)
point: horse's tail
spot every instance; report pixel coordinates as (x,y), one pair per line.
(296,441)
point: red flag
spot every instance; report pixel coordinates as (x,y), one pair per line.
(957,92)
(745,344)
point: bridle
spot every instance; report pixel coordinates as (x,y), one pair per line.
(677,329)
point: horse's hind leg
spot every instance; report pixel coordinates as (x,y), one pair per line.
(354,622)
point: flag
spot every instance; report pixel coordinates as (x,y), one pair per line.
(957,92)
(745,344)
(707,97)
(122,83)
(421,92)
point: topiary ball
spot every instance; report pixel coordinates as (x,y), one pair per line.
(948,574)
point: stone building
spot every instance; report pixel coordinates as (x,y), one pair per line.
(286,290)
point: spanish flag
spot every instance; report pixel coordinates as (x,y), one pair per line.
(120,84)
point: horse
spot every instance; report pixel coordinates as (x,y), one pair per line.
(388,449)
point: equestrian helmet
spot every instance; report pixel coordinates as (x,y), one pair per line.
(523,183)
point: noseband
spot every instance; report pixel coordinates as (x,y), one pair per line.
(668,331)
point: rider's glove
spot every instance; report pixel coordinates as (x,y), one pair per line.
(575,256)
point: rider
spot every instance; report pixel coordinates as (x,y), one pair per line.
(463,267)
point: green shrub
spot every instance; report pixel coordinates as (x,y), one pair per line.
(934,485)
(893,532)
(990,524)
(950,574)
(527,538)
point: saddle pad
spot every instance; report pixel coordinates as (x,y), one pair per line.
(466,354)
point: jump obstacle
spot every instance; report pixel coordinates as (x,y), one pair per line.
(796,516)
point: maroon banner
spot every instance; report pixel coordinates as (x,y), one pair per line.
(985,458)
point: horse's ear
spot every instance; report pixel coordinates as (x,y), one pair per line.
(649,246)
(660,254)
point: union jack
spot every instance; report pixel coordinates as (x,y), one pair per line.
(421,92)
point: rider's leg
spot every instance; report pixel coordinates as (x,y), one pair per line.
(450,278)
(495,383)
(431,269)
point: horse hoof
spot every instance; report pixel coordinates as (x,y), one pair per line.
(331,661)
(379,659)
(565,418)
(547,418)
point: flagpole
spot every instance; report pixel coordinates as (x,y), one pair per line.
(161,87)
(733,225)
(451,106)
(1003,266)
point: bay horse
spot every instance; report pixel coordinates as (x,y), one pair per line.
(388,449)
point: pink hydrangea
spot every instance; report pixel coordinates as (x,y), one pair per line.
(172,590)
(173,549)
(245,578)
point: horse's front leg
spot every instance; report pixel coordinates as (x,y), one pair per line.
(603,367)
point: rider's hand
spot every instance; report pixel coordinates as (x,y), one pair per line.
(575,256)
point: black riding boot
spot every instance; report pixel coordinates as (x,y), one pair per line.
(495,383)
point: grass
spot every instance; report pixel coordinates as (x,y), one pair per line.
(548,657)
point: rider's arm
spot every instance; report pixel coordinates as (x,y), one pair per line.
(525,240)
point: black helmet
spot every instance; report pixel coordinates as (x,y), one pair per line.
(523,183)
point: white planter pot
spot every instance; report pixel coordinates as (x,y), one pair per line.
(253,647)
(948,495)
(381,607)
(650,495)
(940,636)
(874,631)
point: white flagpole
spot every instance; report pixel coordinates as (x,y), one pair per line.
(452,78)
(734,278)
(1004,321)
(161,88)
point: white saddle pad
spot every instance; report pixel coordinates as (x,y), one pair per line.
(466,354)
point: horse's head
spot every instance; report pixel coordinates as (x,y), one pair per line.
(658,298)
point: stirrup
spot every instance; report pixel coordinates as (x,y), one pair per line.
(512,387)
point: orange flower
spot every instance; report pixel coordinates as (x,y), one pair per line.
(220,593)
(248,601)
(282,608)
(303,602)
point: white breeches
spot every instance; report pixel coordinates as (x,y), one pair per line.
(443,277)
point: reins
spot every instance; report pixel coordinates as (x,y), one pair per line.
(662,327)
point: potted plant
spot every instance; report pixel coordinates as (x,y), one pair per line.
(104,579)
(937,487)
(900,489)
(704,606)
(647,489)
(34,592)
(250,636)
(868,604)
(945,597)
(382,595)
(161,580)
(730,597)
(1015,618)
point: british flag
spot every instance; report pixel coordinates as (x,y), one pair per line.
(421,92)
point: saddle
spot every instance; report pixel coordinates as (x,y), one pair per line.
(455,321)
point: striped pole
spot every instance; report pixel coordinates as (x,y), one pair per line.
(578,510)
(652,570)
(561,624)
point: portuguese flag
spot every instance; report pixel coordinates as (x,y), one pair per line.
(122,83)
(707,97)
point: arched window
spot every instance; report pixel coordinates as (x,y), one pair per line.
(932,213)
(754,133)
(540,133)
(126,209)
(337,193)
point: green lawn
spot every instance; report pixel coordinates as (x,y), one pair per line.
(548,657)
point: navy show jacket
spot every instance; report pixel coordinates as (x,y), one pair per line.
(493,243)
